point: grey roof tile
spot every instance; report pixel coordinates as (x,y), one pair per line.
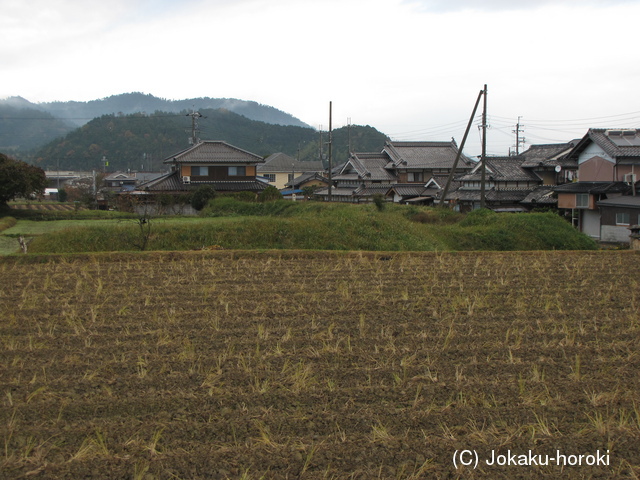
(503,169)
(214,152)
(435,155)
(171,183)
(281,162)
(593,187)
(549,155)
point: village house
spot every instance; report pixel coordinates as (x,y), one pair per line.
(224,167)
(316,180)
(402,171)
(507,184)
(212,163)
(517,183)
(617,215)
(607,162)
(125,182)
(280,169)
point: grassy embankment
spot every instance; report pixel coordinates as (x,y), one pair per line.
(232,224)
(33,222)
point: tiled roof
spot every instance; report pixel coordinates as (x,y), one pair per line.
(425,155)
(166,183)
(549,155)
(369,190)
(617,143)
(541,196)
(214,152)
(502,169)
(593,187)
(370,166)
(622,201)
(281,162)
(171,183)
(408,190)
(306,177)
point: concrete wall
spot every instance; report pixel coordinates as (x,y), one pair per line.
(614,234)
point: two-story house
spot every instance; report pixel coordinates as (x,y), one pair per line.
(280,169)
(607,160)
(224,167)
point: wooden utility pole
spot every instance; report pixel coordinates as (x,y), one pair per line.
(464,140)
(330,159)
(483,158)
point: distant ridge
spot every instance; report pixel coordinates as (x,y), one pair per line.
(25,125)
(79,113)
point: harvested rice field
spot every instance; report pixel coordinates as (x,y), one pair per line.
(317,365)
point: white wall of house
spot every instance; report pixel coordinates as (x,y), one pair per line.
(591,151)
(591,223)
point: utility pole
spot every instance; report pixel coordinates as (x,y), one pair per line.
(519,140)
(464,140)
(321,150)
(483,158)
(330,159)
(193,140)
(349,132)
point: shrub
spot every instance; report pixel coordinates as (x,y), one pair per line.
(200,198)
(270,194)
(379,201)
(243,196)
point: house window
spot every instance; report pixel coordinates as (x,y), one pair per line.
(270,176)
(199,171)
(237,171)
(582,200)
(415,177)
(622,218)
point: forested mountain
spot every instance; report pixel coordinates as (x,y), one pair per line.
(25,125)
(127,103)
(142,141)
(23,128)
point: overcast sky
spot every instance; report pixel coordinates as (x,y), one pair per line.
(410,68)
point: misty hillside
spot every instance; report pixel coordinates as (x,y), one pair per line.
(25,125)
(24,128)
(127,103)
(141,141)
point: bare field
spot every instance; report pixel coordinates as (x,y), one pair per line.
(51,207)
(313,365)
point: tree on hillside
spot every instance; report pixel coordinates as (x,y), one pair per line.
(19,179)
